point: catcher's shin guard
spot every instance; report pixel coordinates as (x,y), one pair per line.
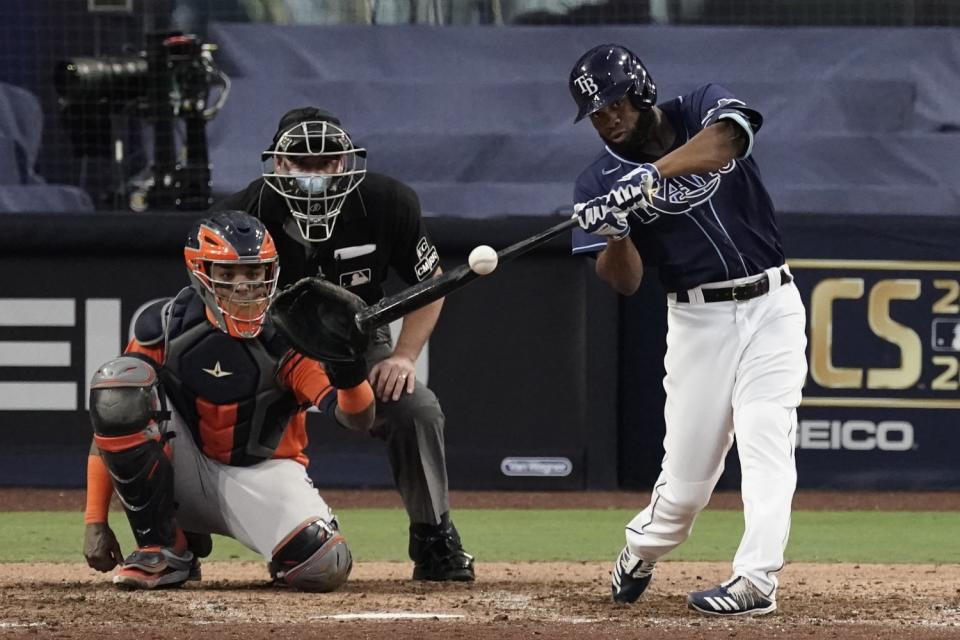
(314,557)
(125,406)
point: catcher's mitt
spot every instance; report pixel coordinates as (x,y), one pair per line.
(318,318)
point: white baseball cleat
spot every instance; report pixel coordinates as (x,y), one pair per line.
(630,577)
(738,597)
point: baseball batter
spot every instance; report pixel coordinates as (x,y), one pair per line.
(676,188)
(228,455)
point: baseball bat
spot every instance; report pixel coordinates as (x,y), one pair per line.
(423,293)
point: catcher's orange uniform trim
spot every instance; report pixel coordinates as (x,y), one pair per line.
(356,399)
(120,443)
(99,491)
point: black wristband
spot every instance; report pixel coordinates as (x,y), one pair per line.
(346,375)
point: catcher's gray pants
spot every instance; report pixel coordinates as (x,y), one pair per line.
(412,427)
(259,505)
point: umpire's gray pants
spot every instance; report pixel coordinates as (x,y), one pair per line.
(412,427)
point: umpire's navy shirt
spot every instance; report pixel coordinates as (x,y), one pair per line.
(729,233)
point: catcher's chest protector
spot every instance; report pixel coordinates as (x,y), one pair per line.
(225,388)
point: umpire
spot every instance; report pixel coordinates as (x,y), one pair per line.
(331,218)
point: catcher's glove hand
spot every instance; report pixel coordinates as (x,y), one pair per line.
(318,318)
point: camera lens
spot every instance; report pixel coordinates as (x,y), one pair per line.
(112,79)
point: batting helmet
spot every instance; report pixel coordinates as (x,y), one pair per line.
(607,73)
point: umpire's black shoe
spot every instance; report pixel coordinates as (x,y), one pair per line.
(630,577)
(438,554)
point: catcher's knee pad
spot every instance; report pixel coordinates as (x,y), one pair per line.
(314,557)
(125,407)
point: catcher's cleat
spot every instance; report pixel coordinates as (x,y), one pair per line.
(630,577)
(738,597)
(156,568)
(438,554)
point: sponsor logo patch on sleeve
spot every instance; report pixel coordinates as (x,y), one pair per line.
(427,264)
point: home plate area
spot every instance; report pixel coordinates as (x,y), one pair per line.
(508,600)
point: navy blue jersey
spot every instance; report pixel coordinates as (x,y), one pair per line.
(729,233)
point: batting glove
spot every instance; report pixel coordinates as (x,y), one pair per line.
(596,217)
(634,192)
(640,196)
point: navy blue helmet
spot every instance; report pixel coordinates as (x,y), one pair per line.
(607,73)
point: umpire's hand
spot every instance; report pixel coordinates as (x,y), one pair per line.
(392,377)
(100,547)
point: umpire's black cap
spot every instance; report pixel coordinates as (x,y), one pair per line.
(298,116)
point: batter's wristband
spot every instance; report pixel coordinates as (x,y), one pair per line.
(99,491)
(356,399)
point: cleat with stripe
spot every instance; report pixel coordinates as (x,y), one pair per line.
(738,597)
(156,568)
(630,577)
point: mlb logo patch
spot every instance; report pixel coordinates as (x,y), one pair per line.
(946,335)
(354,278)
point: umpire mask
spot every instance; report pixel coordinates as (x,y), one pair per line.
(314,166)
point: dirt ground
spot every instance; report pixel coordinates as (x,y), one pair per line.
(508,601)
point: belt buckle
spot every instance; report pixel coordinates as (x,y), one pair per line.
(733,293)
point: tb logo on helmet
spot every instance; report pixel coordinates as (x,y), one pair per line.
(586,84)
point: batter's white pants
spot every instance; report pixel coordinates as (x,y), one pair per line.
(257,505)
(732,369)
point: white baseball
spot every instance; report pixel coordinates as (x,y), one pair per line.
(482,260)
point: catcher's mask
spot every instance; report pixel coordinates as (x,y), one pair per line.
(233,266)
(314,165)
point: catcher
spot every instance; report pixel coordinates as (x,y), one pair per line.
(200,425)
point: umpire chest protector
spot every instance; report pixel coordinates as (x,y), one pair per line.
(226,389)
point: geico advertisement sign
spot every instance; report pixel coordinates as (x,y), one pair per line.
(856,435)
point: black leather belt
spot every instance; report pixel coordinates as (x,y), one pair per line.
(740,292)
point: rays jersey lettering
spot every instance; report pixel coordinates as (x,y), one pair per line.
(699,228)
(677,196)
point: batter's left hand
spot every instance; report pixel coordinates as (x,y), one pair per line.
(634,191)
(391,377)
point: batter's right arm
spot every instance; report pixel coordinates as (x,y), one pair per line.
(620,266)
